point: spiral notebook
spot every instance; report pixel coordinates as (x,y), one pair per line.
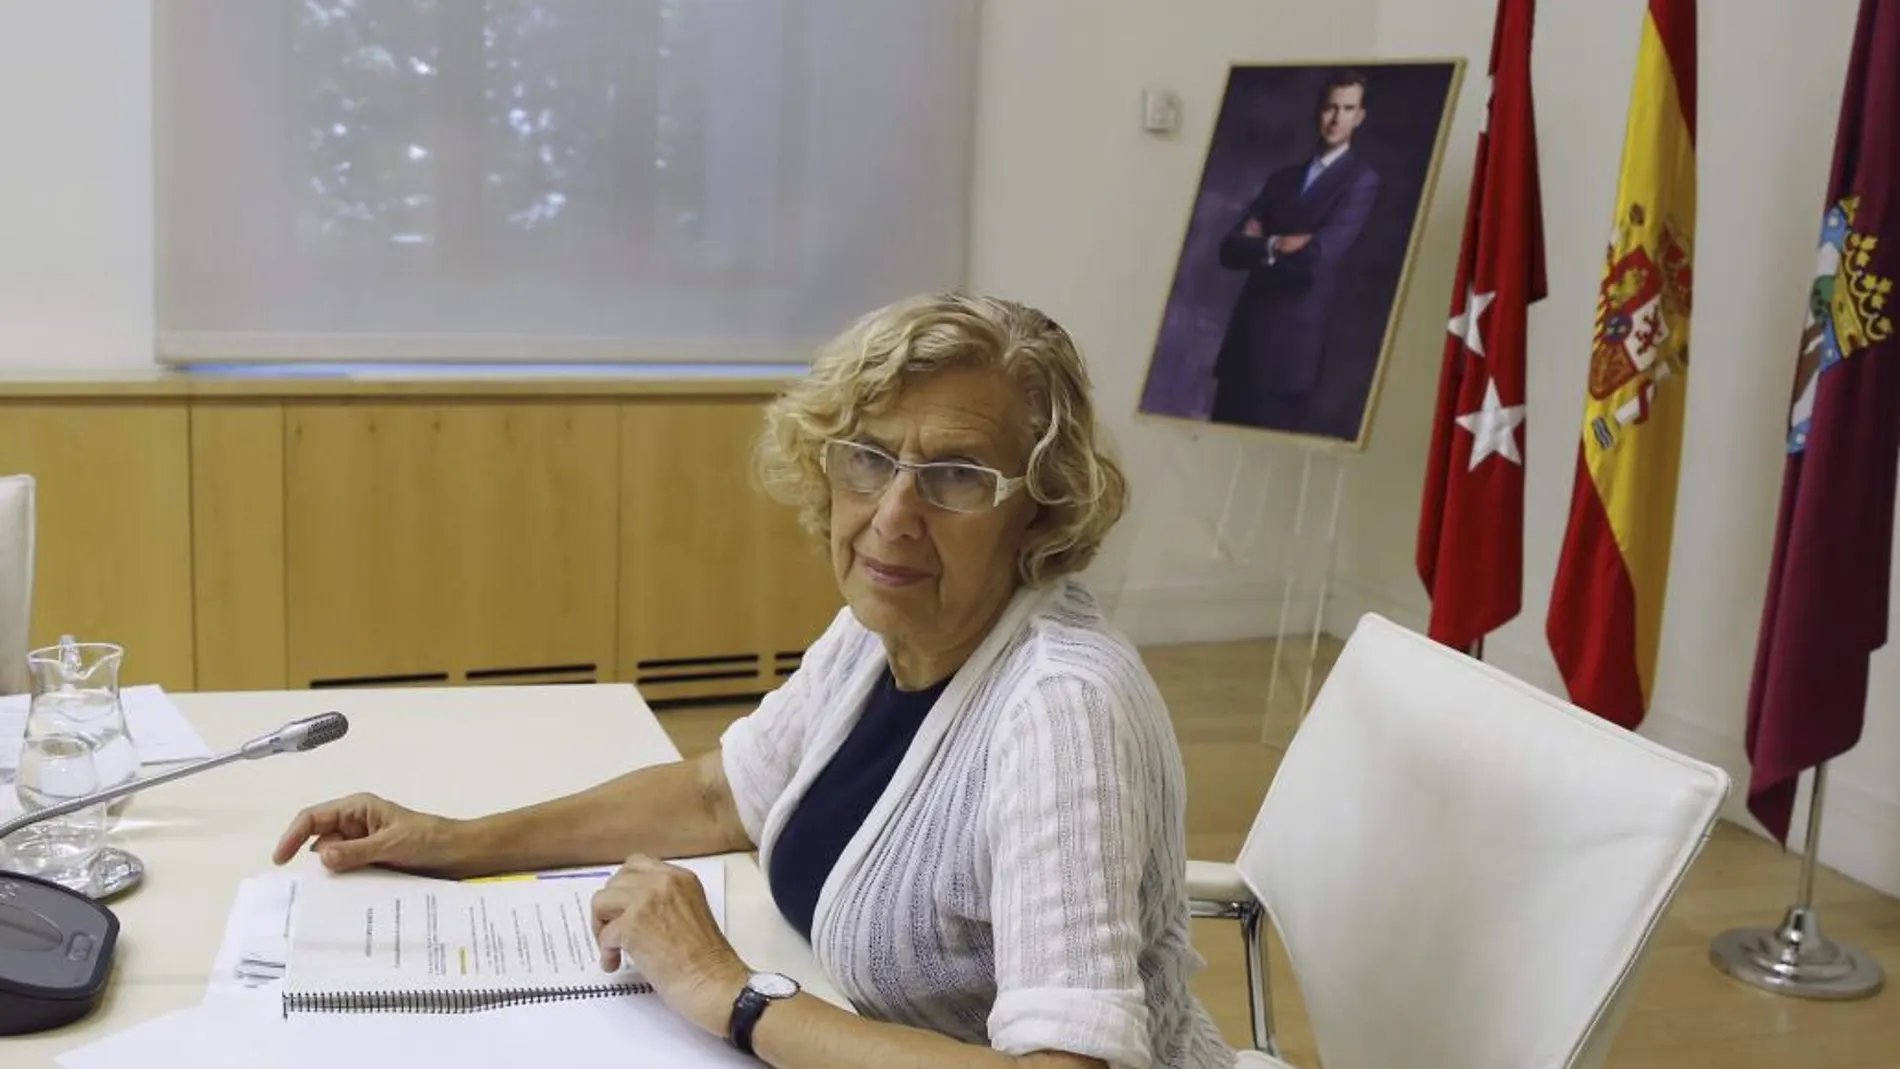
(375,941)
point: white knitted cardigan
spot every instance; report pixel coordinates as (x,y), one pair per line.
(1021,883)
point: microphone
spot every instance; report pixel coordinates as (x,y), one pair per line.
(298,735)
(56,951)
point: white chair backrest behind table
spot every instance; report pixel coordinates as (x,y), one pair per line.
(1465,870)
(16,579)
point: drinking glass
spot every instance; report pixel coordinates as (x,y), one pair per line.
(57,764)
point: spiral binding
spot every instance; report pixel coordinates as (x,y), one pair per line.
(446,1001)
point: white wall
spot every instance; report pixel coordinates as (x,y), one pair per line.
(76,190)
(1076,209)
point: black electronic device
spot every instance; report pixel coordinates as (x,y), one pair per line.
(56,943)
(55,954)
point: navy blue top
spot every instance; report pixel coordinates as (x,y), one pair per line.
(839,799)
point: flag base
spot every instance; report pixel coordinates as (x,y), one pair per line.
(1796,959)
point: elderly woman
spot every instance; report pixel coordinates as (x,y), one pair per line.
(969,797)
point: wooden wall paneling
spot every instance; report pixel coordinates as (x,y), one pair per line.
(530,492)
(113,532)
(800,595)
(690,570)
(237,508)
(362,525)
(428,539)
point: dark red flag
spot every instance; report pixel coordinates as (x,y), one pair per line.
(1471,525)
(1827,585)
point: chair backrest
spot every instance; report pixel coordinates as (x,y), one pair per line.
(1465,870)
(16,579)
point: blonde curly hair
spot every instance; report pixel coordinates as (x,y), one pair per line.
(1080,487)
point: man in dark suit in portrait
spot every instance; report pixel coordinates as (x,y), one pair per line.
(1291,242)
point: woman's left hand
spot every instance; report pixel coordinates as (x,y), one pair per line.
(657,915)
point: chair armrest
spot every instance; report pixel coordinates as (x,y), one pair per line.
(1216,881)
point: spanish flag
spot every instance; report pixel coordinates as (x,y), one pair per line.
(1607,603)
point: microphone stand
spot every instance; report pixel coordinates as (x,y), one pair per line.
(113,871)
(74,805)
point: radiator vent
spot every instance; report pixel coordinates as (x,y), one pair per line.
(704,701)
(552,673)
(660,663)
(721,679)
(514,675)
(699,669)
(416,679)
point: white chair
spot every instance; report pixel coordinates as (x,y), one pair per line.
(16,579)
(1464,871)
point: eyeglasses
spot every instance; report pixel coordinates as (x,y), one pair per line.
(952,485)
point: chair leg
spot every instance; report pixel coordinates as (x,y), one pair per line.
(1259,980)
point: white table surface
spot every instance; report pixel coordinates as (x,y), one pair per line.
(456,751)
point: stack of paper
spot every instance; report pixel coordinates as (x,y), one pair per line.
(159,730)
(240,1023)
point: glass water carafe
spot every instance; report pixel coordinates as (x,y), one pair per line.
(76,692)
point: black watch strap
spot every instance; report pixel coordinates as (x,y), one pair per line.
(746,1011)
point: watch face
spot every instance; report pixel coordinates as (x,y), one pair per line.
(773,985)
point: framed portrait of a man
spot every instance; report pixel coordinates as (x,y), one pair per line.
(1293,270)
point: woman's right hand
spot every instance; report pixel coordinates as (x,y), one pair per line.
(364,829)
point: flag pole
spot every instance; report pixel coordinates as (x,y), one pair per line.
(1795,958)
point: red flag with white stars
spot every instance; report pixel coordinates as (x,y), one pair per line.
(1471,526)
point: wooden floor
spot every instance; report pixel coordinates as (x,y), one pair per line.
(1686,1013)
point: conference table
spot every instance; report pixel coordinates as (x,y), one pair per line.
(457,751)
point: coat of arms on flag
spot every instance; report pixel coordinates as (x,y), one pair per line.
(1846,311)
(1641,310)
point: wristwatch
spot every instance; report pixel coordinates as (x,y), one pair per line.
(761,990)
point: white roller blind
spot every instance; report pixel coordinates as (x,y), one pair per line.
(552,180)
